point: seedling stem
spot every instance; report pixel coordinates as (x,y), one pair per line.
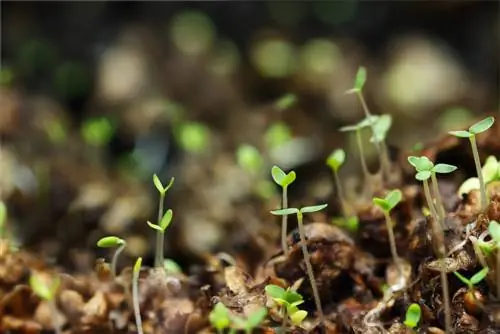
(160,237)
(135,295)
(477,162)
(439,203)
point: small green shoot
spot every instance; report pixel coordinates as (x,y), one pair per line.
(283,180)
(163,221)
(113,242)
(3,219)
(250,159)
(159,186)
(219,317)
(359,81)
(160,228)
(252,322)
(135,294)
(335,160)
(474,280)
(97,131)
(413,315)
(305,253)
(276,135)
(494,230)
(285,102)
(193,137)
(351,224)
(474,130)
(47,291)
(288,300)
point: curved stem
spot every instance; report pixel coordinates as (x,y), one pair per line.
(135,300)
(477,162)
(309,268)
(284,222)
(115,259)
(339,194)
(437,196)
(159,235)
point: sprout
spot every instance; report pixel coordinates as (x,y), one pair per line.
(335,160)
(253,321)
(305,253)
(351,224)
(47,292)
(219,317)
(171,267)
(135,294)
(160,235)
(277,134)
(490,171)
(193,137)
(97,131)
(288,300)
(386,204)
(285,102)
(250,159)
(283,180)
(494,230)
(112,242)
(470,296)
(413,315)
(3,218)
(160,230)
(475,129)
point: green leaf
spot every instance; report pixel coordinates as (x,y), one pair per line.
(336,159)
(393,198)
(275,291)
(154,226)
(285,212)
(193,137)
(249,158)
(461,134)
(298,317)
(293,297)
(278,175)
(382,204)
(482,126)
(490,169)
(413,314)
(171,267)
(463,279)
(443,168)
(3,215)
(256,318)
(289,178)
(97,131)
(420,163)
(41,289)
(486,247)
(111,241)
(285,102)
(360,80)
(166,219)
(170,184)
(479,276)
(158,185)
(137,265)
(381,127)
(277,134)
(349,128)
(494,229)
(368,121)
(423,175)
(315,208)
(219,317)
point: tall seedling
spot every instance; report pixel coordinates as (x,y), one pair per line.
(135,294)
(283,180)
(159,231)
(305,253)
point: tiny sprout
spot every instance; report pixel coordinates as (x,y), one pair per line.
(253,320)
(3,218)
(112,242)
(249,158)
(475,129)
(135,294)
(283,180)
(334,161)
(163,219)
(285,102)
(288,300)
(359,81)
(351,224)
(494,230)
(305,253)
(171,267)
(472,298)
(413,315)
(277,134)
(97,131)
(219,317)
(474,280)
(47,293)
(193,137)
(160,228)
(159,186)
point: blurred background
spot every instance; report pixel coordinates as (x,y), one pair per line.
(98,96)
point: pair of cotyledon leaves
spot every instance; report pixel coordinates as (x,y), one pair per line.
(425,167)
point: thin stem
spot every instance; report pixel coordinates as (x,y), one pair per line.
(284,321)
(392,242)
(159,235)
(135,301)
(437,196)
(309,268)
(430,202)
(54,313)
(284,222)
(364,166)
(475,153)
(384,159)
(114,261)
(339,193)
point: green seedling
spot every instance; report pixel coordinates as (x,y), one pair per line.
(219,318)
(386,204)
(305,253)
(335,160)
(47,291)
(97,131)
(276,135)
(413,315)
(285,102)
(494,230)
(252,322)
(474,280)
(490,172)
(425,170)
(160,232)
(135,294)
(250,159)
(193,137)
(3,219)
(474,130)
(283,180)
(171,267)
(288,300)
(113,242)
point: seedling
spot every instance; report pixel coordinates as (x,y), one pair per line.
(283,180)
(113,242)
(135,294)
(413,315)
(253,321)
(193,137)
(276,135)
(351,224)
(386,204)
(288,300)
(47,292)
(335,160)
(160,229)
(494,230)
(97,131)
(160,237)
(474,130)
(305,253)
(470,296)
(250,159)
(219,318)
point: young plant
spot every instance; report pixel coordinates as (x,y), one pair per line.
(380,128)
(288,300)
(494,230)
(305,253)
(112,242)
(97,131)
(193,137)
(135,295)
(285,102)
(470,297)
(474,130)
(283,180)
(47,291)
(252,322)
(160,232)
(413,315)
(219,318)
(386,205)
(335,160)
